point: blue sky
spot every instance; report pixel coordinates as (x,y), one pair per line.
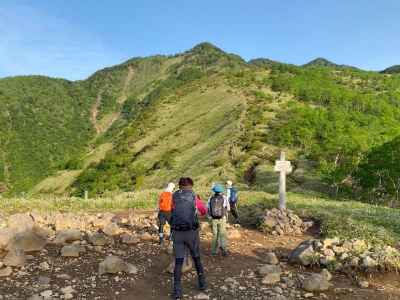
(74,38)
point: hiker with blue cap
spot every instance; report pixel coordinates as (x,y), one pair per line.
(218,208)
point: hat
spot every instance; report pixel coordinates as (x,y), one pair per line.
(229,183)
(218,188)
(170,187)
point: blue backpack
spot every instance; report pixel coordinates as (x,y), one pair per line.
(233,198)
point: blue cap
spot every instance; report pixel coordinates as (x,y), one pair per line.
(218,188)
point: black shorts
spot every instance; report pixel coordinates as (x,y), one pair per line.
(164,217)
(189,239)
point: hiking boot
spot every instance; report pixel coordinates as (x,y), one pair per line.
(177,294)
(202,282)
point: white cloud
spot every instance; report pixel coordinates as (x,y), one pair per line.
(34,42)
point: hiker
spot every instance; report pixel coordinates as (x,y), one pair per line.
(218,207)
(232,195)
(185,233)
(164,210)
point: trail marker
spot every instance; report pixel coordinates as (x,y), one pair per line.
(283,167)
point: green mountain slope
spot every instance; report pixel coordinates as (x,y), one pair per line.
(203,113)
(392,70)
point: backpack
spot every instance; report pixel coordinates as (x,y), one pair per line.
(165,201)
(233,197)
(184,213)
(217,209)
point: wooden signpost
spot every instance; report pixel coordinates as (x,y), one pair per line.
(283,167)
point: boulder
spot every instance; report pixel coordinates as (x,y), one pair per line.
(67,236)
(368,262)
(112,229)
(6,235)
(28,241)
(303,254)
(15,258)
(316,283)
(271,259)
(269,269)
(71,250)
(98,239)
(271,278)
(128,239)
(114,265)
(20,222)
(5,272)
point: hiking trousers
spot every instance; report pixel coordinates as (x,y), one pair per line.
(219,235)
(234,211)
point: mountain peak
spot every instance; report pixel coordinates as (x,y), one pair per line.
(392,70)
(320,62)
(205,47)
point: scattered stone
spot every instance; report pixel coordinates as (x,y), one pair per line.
(326,274)
(98,239)
(363,284)
(20,222)
(29,241)
(283,222)
(46,294)
(270,258)
(44,280)
(202,296)
(369,262)
(112,229)
(303,254)
(316,283)
(268,269)
(146,237)
(5,272)
(6,235)
(71,251)
(128,239)
(271,278)
(114,265)
(67,236)
(15,258)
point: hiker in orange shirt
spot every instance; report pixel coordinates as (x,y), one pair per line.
(164,210)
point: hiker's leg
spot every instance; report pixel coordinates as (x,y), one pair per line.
(194,248)
(161,223)
(234,212)
(214,242)
(222,233)
(177,278)
(179,250)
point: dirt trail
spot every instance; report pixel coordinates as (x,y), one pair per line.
(95,112)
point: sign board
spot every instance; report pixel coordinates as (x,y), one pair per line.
(283,166)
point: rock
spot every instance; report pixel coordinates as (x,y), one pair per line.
(28,241)
(15,258)
(326,274)
(112,229)
(131,269)
(271,259)
(68,290)
(98,239)
(46,294)
(330,242)
(354,262)
(44,280)
(269,269)
(303,254)
(6,235)
(44,266)
(234,234)
(363,284)
(146,236)
(271,278)
(5,272)
(20,222)
(368,262)
(67,236)
(71,251)
(202,296)
(35,297)
(113,265)
(128,239)
(316,283)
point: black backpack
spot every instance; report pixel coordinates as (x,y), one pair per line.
(217,209)
(184,213)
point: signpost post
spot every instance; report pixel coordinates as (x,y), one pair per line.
(283,167)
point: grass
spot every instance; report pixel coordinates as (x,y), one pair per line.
(344,219)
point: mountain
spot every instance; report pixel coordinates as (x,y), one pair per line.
(323,62)
(203,113)
(392,70)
